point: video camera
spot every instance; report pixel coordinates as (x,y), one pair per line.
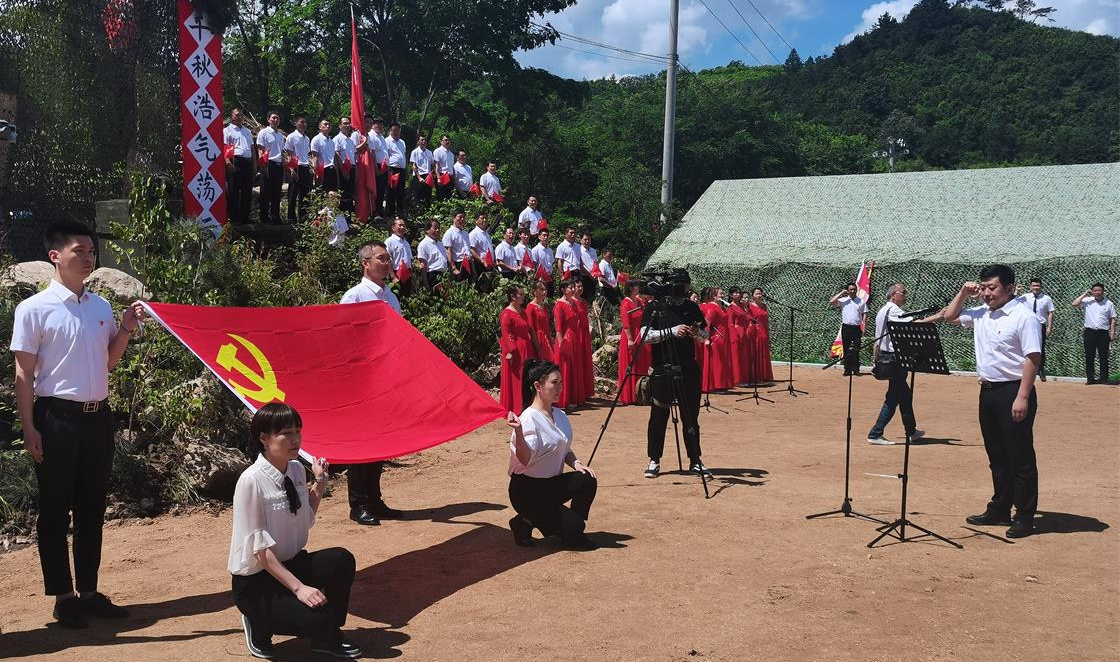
(659,284)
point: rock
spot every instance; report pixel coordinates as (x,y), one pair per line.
(606,386)
(210,469)
(115,285)
(32,275)
(490,372)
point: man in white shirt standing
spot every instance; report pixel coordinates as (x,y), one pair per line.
(380,150)
(363,481)
(1008,352)
(400,256)
(853,315)
(464,176)
(521,251)
(587,265)
(568,256)
(346,161)
(431,255)
(481,245)
(1042,306)
(458,245)
(506,256)
(1100,330)
(898,395)
(530,217)
(65,342)
(398,163)
(270,141)
(608,279)
(443,164)
(241,167)
(490,184)
(299,184)
(544,258)
(421,163)
(322,152)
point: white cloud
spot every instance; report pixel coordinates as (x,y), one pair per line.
(1098,27)
(896,8)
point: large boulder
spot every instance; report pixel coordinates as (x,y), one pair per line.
(30,275)
(210,469)
(488,375)
(115,285)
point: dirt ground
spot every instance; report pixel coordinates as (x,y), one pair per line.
(739,576)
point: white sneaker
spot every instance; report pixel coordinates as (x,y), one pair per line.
(880,441)
(653,469)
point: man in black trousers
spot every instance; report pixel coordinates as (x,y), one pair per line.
(853,315)
(1008,354)
(65,342)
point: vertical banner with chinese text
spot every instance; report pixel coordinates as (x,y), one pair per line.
(200,83)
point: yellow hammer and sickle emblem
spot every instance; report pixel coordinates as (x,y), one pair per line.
(264,381)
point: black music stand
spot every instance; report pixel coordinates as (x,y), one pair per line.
(917,348)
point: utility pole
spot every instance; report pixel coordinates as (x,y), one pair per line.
(669,139)
(895,147)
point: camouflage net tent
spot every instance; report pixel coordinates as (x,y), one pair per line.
(803,238)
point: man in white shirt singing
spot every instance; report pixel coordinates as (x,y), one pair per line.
(608,279)
(464,176)
(1008,352)
(521,250)
(530,217)
(443,167)
(322,153)
(346,161)
(544,258)
(569,258)
(421,163)
(1100,330)
(481,245)
(898,390)
(1043,307)
(398,163)
(853,314)
(588,261)
(506,256)
(380,151)
(400,255)
(458,245)
(489,183)
(241,167)
(270,141)
(363,481)
(431,255)
(299,184)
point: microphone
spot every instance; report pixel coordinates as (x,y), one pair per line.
(724,302)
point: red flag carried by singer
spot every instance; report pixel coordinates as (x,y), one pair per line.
(365,181)
(367,384)
(863,291)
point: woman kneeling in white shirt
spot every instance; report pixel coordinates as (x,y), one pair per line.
(540,446)
(299,593)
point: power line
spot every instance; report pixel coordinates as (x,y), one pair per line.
(771,26)
(613,57)
(728,30)
(589,42)
(756,35)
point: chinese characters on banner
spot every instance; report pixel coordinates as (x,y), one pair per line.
(200,83)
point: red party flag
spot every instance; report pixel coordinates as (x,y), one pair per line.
(391,394)
(444,179)
(542,224)
(293,162)
(466,264)
(394,180)
(384,165)
(404,272)
(488,260)
(527,260)
(365,184)
(544,274)
(497,197)
(623,278)
(475,191)
(319,169)
(430,180)
(228,151)
(262,157)
(595,270)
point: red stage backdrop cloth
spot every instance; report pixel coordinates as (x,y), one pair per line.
(367,384)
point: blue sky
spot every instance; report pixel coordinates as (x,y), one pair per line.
(814,27)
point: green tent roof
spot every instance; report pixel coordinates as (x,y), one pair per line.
(961,216)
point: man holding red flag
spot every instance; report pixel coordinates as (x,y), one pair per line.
(530,217)
(506,256)
(443,163)
(400,253)
(420,160)
(464,175)
(297,150)
(490,184)
(398,162)
(543,257)
(241,167)
(322,148)
(481,245)
(379,155)
(457,242)
(431,255)
(270,142)
(363,481)
(346,158)
(522,256)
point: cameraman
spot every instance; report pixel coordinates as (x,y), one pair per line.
(671,324)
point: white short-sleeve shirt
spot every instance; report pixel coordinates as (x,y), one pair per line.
(543,256)
(240,138)
(609,275)
(324,147)
(464,177)
(480,241)
(519,252)
(271,142)
(396,151)
(589,257)
(262,519)
(400,251)
(458,242)
(505,254)
(367,290)
(346,147)
(69,337)
(852,309)
(1003,338)
(490,184)
(1098,313)
(549,442)
(569,255)
(889,312)
(1041,306)
(299,145)
(423,160)
(377,144)
(433,254)
(445,158)
(530,218)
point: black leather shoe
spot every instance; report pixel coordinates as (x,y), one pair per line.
(100,606)
(579,543)
(258,644)
(1020,529)
(364,516)
(522,531)
(385,512)
(342,648)
(70,614)
(989,519)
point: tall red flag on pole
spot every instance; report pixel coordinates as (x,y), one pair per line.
(365,183)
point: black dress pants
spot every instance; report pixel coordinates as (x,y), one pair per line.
(363,484)
(273,609)
(330,179)
(1010,448)
(431,278)
(1042,350)
(688,401)
(299,185)
(395,196)
(590,286)
(240,189)
(73,478)
(346,188)
(272,182)
(1096,346)
(610,294)
(541,501)
(421,191)
(382,179)
(851,335)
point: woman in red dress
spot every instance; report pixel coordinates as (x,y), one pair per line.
(737,319)
(631,311)
(539,321)
(516,345)
(567,339)
(588,363)
(760,348)
(717,349)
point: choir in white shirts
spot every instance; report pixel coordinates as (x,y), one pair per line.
(378,146)
(324,147)
(589,258)
(271,142)
(505,254)
(346,148)
(299,146)
(570,256)
(519,252)
(543,256)
(609,275)
(422,157)
(445,159)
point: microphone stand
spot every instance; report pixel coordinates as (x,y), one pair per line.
(789,382)
(708,347)
(754,382)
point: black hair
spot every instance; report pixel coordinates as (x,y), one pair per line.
(274,112)
(757,287)
(734,290)
(271,419)
(851,285)
(430,223)
(445,136)
(420,137)
(491,163)
(1100,285)
(708,294)
(59,234)
(365,251)
(534,371)
(396,124)
(237,108)
(1036,279)
(1005,274)
(460,210)
(635,285)
(511,292)
(298,118)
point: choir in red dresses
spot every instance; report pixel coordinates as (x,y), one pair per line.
(566,349)
(737,319)
(583,355)
(715,355)
(516,345)
(540,323)
(630,309)
(758,339)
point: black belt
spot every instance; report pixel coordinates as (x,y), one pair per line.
(242,158)
(91,407)
(991,386)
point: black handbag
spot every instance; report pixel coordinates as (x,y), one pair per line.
(885,367)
